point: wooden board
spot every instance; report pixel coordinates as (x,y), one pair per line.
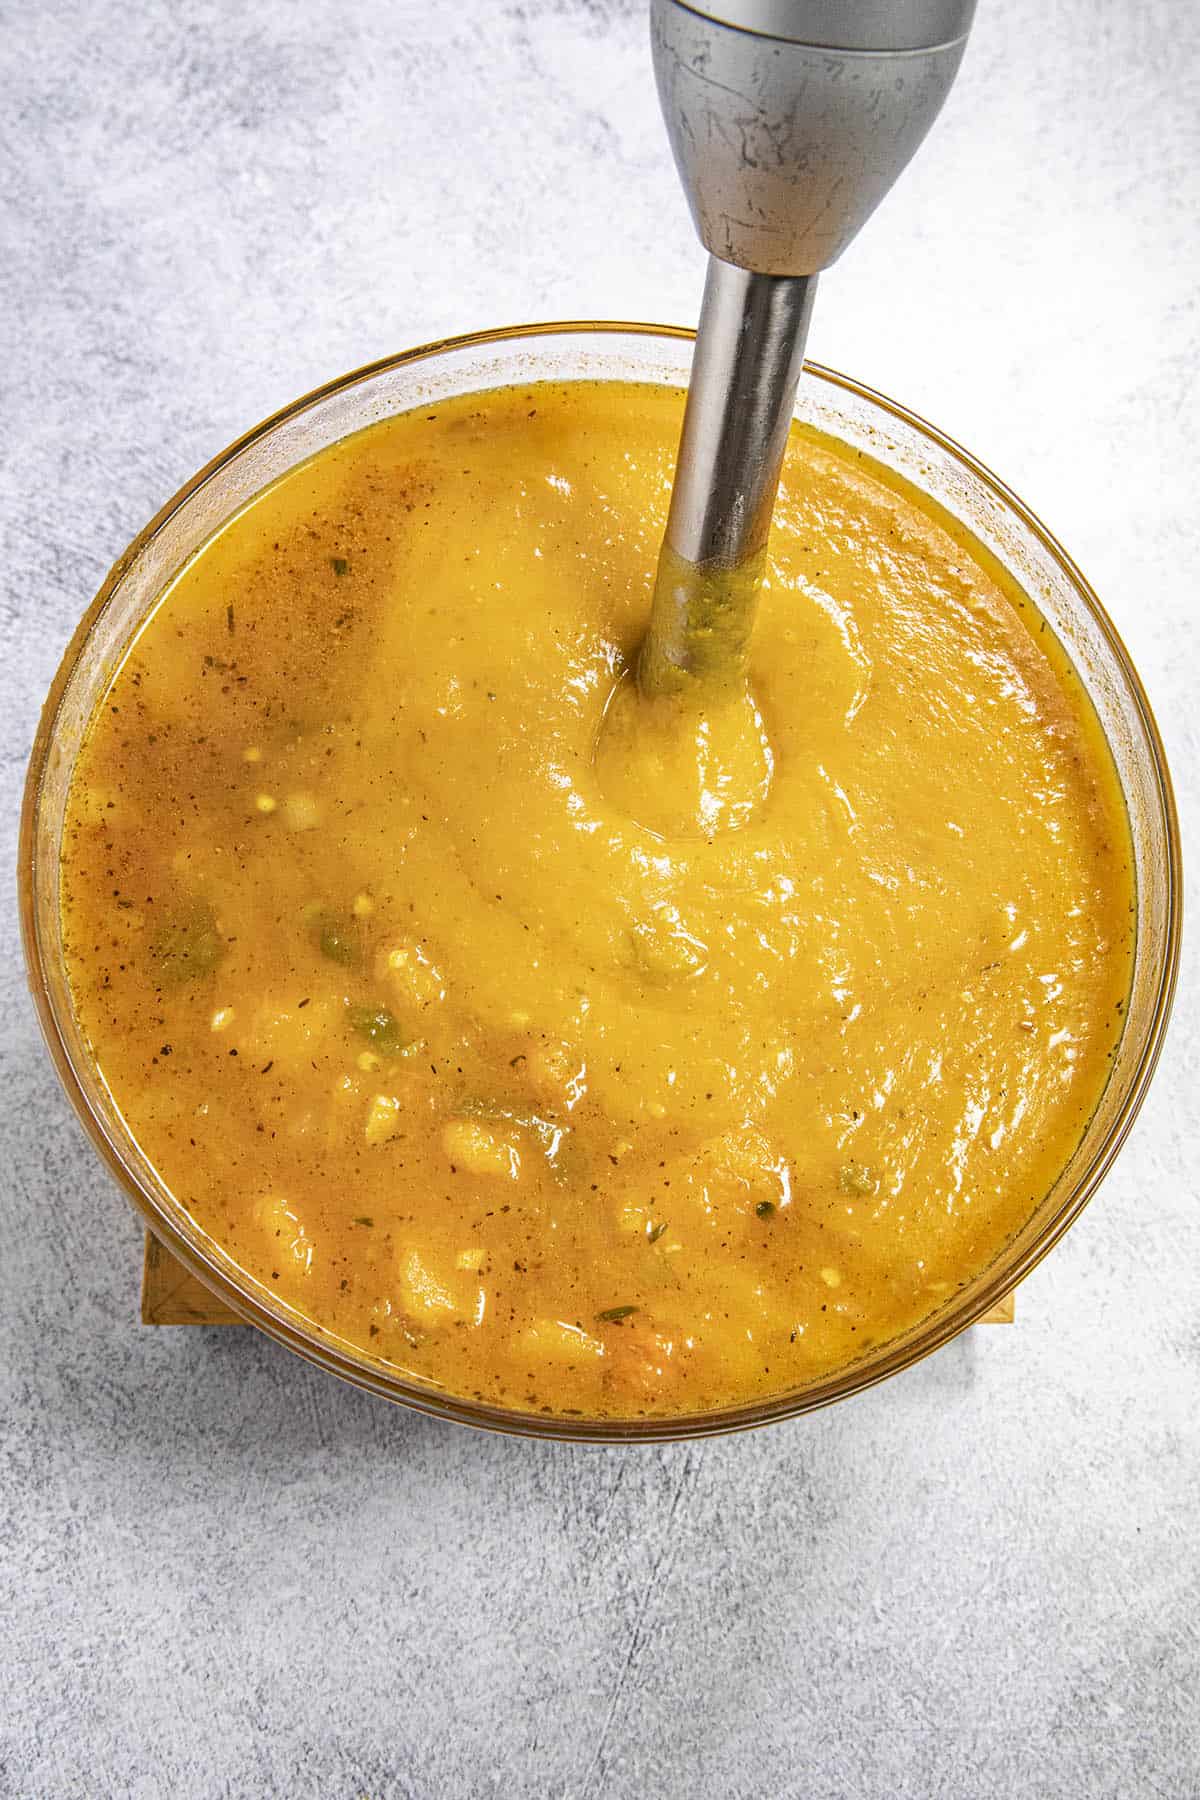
(170,1296)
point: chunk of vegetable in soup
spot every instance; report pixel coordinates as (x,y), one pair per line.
(465,1064)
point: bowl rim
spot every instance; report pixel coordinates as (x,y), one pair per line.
(955,1316)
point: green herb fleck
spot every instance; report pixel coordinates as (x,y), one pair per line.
(853,1178)
(188,945)
(615,1314)
(654,1232)
(380,1028)
(365,1221)
(765,1209)
(339,940)
(339,565)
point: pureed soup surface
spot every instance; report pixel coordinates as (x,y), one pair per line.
(480,1074)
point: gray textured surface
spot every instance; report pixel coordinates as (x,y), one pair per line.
(224,1574)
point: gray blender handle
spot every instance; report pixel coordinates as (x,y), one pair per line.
(789,120)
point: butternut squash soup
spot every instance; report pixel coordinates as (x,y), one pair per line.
(482,1053)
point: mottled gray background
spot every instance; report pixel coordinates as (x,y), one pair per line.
(224,1573)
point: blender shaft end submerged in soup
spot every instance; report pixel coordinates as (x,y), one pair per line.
(474,1070)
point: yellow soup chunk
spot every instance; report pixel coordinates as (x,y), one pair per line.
(462,1051)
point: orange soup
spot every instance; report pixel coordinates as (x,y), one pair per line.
(535,1102)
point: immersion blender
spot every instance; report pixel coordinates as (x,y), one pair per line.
(789,121)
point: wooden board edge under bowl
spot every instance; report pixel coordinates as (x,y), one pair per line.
(173,1296)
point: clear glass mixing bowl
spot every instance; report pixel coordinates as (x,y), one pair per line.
(624,352)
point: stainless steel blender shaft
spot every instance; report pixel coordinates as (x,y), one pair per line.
(789,121)
(749,353)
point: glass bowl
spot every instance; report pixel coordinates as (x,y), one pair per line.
(600,351)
